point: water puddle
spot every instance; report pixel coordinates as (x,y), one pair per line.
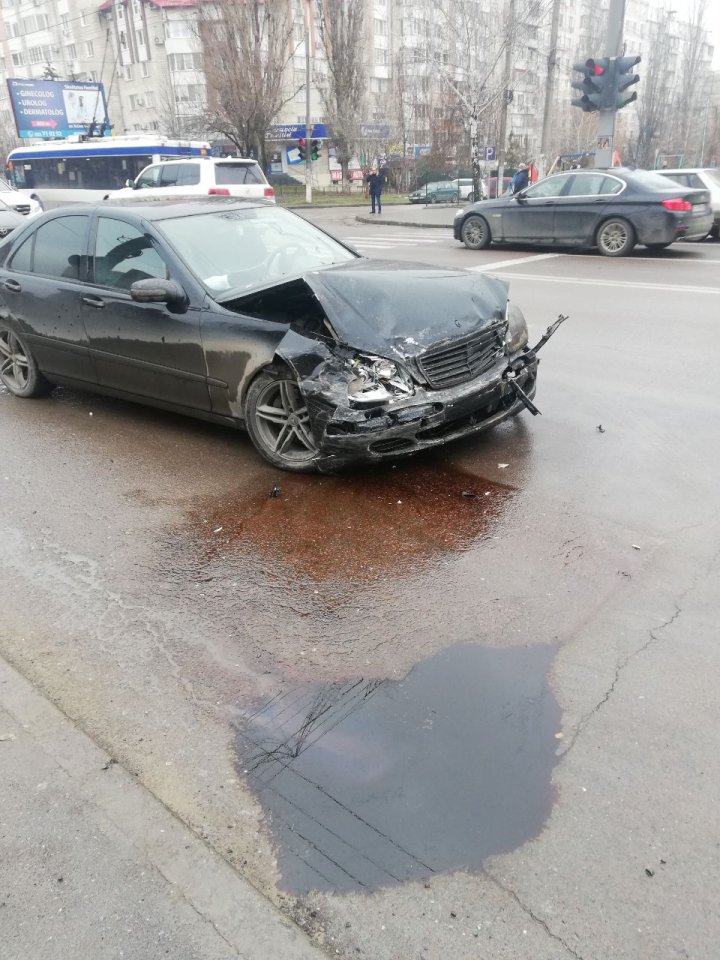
(351,527)
(375,782)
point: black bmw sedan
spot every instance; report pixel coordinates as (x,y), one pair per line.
(612,210)
(242,313)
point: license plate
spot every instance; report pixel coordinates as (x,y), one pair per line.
(700,208)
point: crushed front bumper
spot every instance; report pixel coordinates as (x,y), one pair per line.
(429,419)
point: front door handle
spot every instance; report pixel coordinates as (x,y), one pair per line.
(96,302)
(13,286)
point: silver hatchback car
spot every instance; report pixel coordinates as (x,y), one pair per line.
(703,178)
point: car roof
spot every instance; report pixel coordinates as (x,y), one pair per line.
(664,171)
(166,208)
(247,161)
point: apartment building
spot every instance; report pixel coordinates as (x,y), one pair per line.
(148,54)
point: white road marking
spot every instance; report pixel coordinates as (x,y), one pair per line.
(673,288)
(499,265)
(365,239)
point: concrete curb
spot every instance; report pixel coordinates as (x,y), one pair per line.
(191,872)
(402,223)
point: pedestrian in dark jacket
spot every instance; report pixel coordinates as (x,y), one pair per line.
(520,180)
(375,185)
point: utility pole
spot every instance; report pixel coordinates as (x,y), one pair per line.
(509,37)
(308,127)
(606,123)
(549,88)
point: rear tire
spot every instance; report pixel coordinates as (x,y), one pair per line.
(475,232)
(615,238)
(18,370)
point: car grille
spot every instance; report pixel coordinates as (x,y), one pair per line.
(23,208)
(464,359)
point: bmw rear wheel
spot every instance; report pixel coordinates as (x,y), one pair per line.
(475,233)
(615,238)
(18,370)
(277,419)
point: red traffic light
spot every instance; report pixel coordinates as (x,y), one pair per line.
(301,143)
(594,67)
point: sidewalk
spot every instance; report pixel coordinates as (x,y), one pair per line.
(412,215)
(93,867)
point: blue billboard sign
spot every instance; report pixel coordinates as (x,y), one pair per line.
(295,131)
(57,108)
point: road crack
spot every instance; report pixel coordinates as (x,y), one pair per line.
(654,636)
(533,916)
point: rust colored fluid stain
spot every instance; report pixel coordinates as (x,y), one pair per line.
(373,783)
(357,527)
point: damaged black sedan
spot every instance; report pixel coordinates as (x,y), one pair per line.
(245,314)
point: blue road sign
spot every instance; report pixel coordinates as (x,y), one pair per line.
(490,154)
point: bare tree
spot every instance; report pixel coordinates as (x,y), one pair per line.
(692,76)
(247,47)
(655,104)
(342,88)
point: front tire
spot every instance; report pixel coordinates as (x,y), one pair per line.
(475,233)
(615,238)
(18,370)
(278,422)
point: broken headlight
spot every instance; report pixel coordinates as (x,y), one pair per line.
(517,332)
(376,380)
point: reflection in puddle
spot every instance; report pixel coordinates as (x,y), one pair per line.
(370,783)
(353,527)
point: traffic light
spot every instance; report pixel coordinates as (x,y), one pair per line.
(595,84)
(301,147)
(622,79)
(314,149)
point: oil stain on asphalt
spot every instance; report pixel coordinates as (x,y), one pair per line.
(355,528)
(372,783)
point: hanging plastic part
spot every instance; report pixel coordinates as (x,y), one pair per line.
(519,364)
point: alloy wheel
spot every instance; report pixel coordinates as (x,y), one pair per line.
(615,238)
(283,422)
(14,363)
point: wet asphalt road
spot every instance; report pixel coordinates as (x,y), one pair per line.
(464,706)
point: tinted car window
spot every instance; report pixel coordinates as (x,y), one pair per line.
(552,187)
(60,247)
(22,259)
(229,173)
(148,178)
(612,185)
(180,175)
(123,255)
(695,181)
(587,184)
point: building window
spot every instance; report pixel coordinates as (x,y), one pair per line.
(144,71)
(71,52)
(178,29)
(380,27)
(89,49)
(381,57)
(185,61)
(18,59)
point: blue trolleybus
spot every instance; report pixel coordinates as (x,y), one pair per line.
(84,169)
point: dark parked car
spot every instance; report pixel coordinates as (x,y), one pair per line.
(442,191)
(609,209)
(242,313)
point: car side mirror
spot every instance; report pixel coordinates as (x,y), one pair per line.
(157,291)
(130,183)
(521,196)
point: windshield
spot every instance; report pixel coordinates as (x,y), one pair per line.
(231,251)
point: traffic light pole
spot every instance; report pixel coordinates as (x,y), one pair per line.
(606,124)
(509,37)
(308,128)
